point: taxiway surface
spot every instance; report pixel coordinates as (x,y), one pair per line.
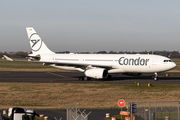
(72,77)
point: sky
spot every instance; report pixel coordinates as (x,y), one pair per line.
(91,25)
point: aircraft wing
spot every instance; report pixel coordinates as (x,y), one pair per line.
(77,65)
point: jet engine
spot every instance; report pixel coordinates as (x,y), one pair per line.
(98,73)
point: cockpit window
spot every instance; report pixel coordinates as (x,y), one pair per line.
(167,60)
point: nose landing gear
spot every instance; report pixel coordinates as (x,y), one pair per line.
(155,76)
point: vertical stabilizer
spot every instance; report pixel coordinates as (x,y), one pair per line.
(36,43)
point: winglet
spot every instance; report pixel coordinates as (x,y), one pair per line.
(8,58)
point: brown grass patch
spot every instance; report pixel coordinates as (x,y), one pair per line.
(93,96)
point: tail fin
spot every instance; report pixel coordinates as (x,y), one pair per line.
(37,45)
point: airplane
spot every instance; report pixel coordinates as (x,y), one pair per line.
(98,66)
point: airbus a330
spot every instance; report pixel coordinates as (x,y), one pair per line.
(98,66)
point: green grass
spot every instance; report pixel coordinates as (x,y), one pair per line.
(176,60)
(172,115)
(16,65)
(3,61)
(25,66)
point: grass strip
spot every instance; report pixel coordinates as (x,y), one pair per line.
(89,96)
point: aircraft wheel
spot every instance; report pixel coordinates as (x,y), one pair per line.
(155,78)
(85,78)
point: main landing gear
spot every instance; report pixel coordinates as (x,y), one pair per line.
(155,76)
(84,78)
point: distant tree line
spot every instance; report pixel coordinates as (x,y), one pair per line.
(171,54)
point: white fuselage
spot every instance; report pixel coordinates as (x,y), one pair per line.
(98,65)
(119,63)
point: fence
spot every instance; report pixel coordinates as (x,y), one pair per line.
(154,110)
(76,114)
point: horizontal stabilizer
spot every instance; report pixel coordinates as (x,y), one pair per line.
(8,58)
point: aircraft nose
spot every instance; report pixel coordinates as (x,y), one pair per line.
(173,65)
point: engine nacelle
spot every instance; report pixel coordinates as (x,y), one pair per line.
(98,73)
